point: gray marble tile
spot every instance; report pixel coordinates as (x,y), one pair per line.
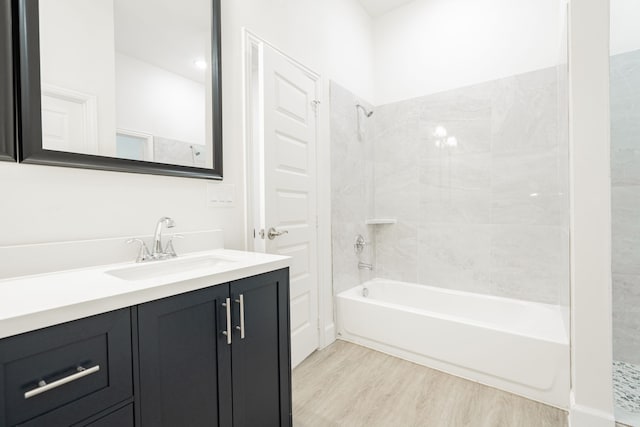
(455,256)
(176,152)
(465,115)
(459,171)
(488,214)
(527,262)
(397,251)
(625,165)
(526,188)
(351,187)
(626,318)
(396,186)
(625,177)
(625,123)
(396,138)
(397,193)
(455,205)
(345,259)
(625,210)
(455,189)
(525,112)
(625,76)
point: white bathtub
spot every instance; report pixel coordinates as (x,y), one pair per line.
(518,346)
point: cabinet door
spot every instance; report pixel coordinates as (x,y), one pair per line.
(261,360)
(185,377)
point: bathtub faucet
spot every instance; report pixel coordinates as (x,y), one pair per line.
(364,266)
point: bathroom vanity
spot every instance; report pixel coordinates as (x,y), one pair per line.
(199,340)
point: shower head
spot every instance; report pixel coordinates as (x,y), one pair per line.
(366,112)
(194,151)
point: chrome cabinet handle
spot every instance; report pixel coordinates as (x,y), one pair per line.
(227,333)
(241,327)
(44,387)
(273,233)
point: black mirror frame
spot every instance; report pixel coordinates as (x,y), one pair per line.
(7,98)
(30,116)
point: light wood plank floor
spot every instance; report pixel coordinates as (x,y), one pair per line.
(350,385)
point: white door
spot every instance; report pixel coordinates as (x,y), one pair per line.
(69,120)
(289,107)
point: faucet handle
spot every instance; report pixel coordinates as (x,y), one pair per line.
(169,249)
(143,253)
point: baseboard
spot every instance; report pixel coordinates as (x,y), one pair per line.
(329,335)
(585,416)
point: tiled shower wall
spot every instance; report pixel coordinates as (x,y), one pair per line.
(351,187)
(625,192)
(484,209)
(488,214)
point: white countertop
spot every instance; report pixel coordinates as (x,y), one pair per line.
(33,302)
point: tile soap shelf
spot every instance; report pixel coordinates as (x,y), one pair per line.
(380,221)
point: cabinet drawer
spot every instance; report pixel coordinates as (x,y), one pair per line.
(66,373)
(123,417)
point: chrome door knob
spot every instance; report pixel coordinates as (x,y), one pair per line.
(273,233)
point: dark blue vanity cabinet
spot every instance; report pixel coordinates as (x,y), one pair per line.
(67,373)
(184,360)
(218,356)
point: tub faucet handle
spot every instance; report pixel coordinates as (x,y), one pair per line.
(359,244)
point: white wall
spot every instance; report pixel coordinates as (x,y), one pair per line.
(49,204)
(429,46)
(590,192)
(82,63)
(152,100)
(625,35)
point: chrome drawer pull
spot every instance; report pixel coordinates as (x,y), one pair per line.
(43,386)
(241,327)
(227,333)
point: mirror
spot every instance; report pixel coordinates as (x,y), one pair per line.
(129,85)
(7,117)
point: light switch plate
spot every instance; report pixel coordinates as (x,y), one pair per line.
(220,195)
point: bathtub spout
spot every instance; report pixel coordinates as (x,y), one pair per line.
(364,266)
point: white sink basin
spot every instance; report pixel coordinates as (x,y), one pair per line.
(156,269)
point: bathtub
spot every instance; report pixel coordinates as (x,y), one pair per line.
(518,346)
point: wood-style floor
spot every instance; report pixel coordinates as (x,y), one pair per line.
(350,385)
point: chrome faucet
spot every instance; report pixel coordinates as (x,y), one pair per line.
(158,251)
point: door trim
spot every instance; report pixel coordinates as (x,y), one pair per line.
(253,45)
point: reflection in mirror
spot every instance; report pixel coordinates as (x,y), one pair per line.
(128,79)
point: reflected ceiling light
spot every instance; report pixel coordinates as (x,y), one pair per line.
(440,132)
(200,63)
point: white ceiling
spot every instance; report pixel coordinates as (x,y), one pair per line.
(376,8)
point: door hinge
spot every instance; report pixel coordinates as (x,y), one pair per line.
(316,106)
